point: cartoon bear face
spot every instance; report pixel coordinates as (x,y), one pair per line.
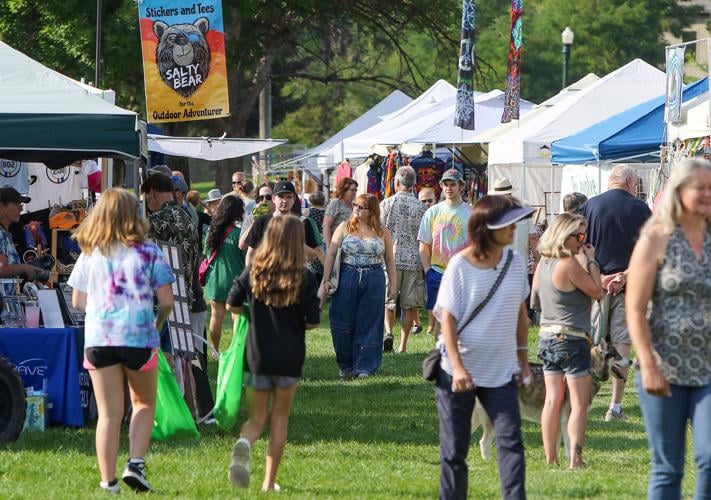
(183,55)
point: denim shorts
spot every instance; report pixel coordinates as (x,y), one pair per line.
(569,356)
(268,382)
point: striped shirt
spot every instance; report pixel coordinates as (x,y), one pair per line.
(488,344)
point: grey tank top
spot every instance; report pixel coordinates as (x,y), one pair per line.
(681,312)
(571,309)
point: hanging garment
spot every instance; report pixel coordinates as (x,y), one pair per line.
(360,175)
(375,179)
(429,170)
(344,170)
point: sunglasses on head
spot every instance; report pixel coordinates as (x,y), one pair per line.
(581,237)
(263,197)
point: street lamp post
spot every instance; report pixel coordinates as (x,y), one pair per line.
(567,38)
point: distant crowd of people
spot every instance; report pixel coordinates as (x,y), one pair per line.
(482,269)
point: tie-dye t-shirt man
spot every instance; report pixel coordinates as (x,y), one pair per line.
(119,289)
(444,227)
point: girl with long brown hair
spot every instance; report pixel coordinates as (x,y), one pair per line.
(357,311)
(114,281)
(283,304)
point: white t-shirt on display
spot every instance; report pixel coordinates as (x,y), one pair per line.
(487,345)
(50,186)
(14,174)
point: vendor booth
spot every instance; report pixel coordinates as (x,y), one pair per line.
(523,154)
(52,129)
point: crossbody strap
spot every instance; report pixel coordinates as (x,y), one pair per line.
(214,252)
(499,279)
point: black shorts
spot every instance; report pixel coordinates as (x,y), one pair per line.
(133,358)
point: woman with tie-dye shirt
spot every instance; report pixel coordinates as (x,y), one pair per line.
(114,281)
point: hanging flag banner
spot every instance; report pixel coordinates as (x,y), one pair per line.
(675,83)
(184,66)
(512,98)
(464,110)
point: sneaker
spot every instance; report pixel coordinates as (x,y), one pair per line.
(134,475)
(363,375)
(345,374)
(388,343)
(415,329)
(276,489)
(614,415)
(241,465)
(112,487)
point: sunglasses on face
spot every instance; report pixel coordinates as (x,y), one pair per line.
(359,207)
(581,237)
(263,197)
(236,183)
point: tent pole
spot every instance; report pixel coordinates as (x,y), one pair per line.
(599,177)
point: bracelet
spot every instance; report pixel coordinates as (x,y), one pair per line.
(592,262)
(522,348)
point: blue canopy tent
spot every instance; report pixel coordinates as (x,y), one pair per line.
(632,133)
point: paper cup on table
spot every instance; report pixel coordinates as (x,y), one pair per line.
(32,313)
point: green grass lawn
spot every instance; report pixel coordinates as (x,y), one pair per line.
(375,438)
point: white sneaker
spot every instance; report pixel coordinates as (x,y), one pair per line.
(241,465)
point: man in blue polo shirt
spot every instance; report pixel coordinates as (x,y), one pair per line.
(615,218)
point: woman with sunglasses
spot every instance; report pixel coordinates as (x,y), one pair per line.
(566,281)
(357,311)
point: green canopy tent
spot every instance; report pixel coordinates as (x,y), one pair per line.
(49,118)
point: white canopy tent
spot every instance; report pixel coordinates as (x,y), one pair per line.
(440,129)
(523,154)
(695,120)
(209,148)
(431,101)
(330,151)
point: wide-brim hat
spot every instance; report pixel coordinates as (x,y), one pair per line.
(511,216)
(213,195)
(501,186)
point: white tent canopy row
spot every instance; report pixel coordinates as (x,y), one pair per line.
(523,153)
(428,119)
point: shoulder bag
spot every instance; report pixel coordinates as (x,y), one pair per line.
(432,363)
(206,263)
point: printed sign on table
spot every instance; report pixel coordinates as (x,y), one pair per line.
(184,66)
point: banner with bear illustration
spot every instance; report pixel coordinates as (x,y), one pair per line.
(184,66)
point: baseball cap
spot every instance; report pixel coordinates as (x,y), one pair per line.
(452,175)
(160,169)
(501,186)
(510,216)
(213,195)
(179,183)
(283,187)
(11,195)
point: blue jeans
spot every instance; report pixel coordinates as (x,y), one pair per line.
(357,315)
(455,427)
(665,420)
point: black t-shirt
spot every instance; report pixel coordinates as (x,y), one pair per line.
(256,233)
(276,343)
(615,218)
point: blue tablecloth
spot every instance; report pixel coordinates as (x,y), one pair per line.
(51,354)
